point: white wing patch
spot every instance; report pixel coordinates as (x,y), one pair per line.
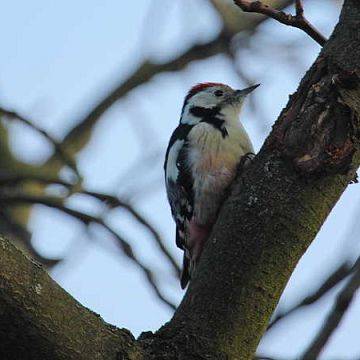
(172,170)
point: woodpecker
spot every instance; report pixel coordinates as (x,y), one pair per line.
(201,162)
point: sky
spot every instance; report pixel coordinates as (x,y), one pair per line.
(59,57)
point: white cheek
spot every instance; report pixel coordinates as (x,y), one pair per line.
(189,119)
(204,102)
(172,170)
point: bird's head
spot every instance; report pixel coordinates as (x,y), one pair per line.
(216,96)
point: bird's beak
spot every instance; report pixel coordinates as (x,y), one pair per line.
(246,91)
(236,98)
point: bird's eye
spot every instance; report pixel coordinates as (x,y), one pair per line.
(219,93)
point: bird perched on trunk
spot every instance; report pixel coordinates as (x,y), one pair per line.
(201,162)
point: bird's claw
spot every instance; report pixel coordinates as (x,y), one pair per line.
(245,161)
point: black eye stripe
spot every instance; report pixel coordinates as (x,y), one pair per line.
(219,93)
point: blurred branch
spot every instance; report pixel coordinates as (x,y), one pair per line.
(21,233)
(339,274)
(298,21)
(342,303)
(79,136)
(86,219)
(14,179)
(60,151)
(114,202)
(109,200)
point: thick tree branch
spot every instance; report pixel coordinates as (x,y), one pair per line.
(298,21)
(39,320)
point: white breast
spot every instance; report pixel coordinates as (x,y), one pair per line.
(209,150)
(213,160)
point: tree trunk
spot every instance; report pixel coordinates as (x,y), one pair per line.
(275,210)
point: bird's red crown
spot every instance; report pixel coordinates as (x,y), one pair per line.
(199,87)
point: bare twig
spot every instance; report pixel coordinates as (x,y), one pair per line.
(339,274)
(60,151)
(342,303)
(86,219)
(113,201)
(298,21)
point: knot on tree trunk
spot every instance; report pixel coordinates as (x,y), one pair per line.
(317,131)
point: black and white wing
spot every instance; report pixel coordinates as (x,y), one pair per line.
(179,187)
(179,181)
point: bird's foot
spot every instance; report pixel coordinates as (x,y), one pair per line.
(245,161)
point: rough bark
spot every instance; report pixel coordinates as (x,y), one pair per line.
(39,320)
(275,210)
